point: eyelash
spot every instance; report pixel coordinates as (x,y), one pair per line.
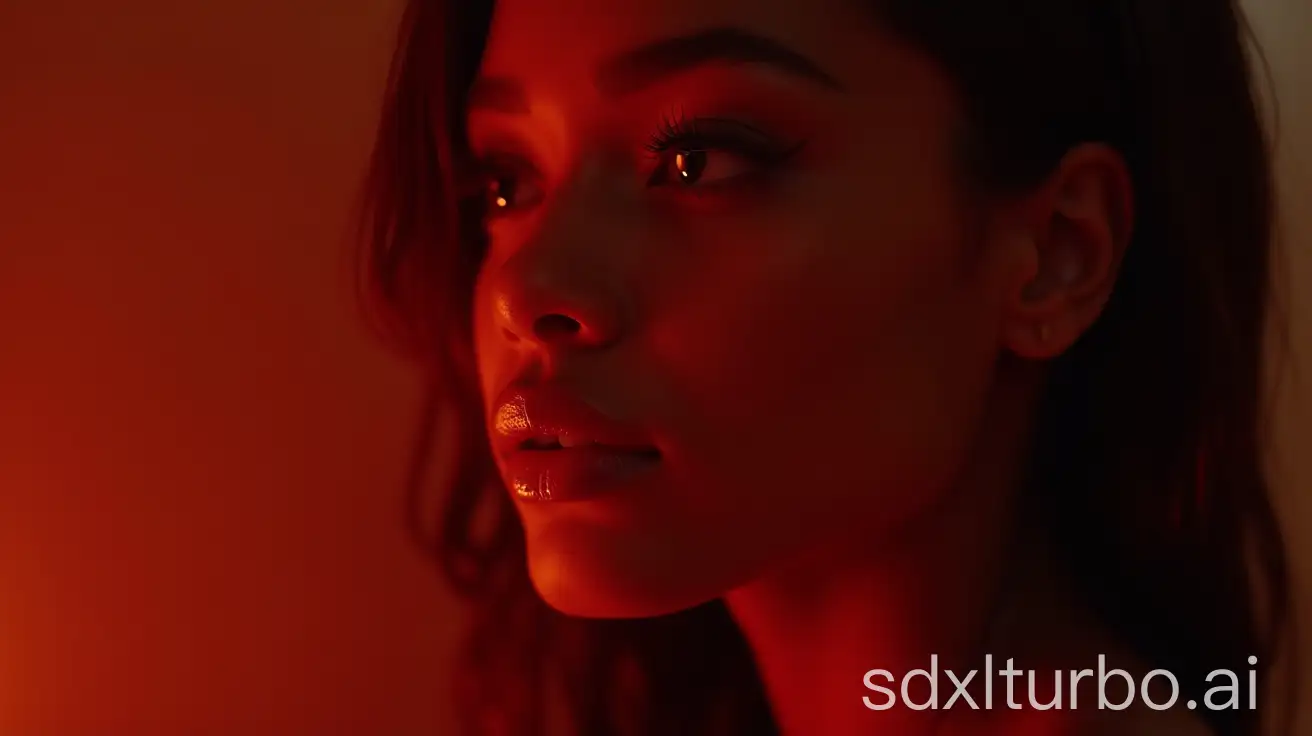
(676,133)
(671,129)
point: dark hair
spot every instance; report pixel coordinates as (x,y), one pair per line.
(1149,461)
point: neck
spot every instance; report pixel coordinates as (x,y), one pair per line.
(819,628)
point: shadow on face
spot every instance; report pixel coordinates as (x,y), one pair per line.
(738,230)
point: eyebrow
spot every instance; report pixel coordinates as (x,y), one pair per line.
(639,68)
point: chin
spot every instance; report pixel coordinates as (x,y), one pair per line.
(590,571)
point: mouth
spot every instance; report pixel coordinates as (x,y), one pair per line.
(561,442)
(567,468)
(555,446)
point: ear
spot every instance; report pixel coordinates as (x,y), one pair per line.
(1072,239)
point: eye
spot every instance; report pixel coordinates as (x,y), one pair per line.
(509,187)
(691,166)
(709,152)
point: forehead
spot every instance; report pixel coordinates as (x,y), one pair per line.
(566,41)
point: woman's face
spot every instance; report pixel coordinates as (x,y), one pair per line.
(731,271)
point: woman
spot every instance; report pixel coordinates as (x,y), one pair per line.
(799,346)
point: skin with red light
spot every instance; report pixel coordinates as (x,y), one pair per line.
(837,354)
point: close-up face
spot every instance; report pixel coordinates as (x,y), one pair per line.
(735,304)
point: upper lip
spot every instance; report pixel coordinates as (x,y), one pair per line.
(538,416)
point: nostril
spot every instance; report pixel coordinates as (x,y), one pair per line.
(556,327)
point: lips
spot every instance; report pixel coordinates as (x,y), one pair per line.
(555,446)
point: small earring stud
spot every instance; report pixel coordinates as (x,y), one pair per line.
(1043,332)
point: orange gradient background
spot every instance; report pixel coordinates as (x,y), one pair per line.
(200,447)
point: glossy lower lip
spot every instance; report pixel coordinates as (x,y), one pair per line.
(576,473)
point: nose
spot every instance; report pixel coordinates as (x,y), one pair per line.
(564,286)
(549,300)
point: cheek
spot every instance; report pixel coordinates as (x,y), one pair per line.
(492,356)
(829,373)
